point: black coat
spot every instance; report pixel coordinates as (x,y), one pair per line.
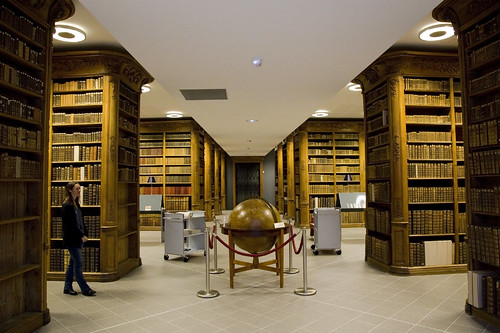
(72,236)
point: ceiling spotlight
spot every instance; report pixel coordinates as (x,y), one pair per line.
(252,120)
(145,88)
(436,32)
(257,61)
(174,114)
(320,113)
(68,33)
(354,86)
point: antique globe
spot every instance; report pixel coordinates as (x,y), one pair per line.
(254,214)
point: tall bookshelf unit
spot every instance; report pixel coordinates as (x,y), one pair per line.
(414,163)
(328,158)
(477,24)
(95,141)
(26,48)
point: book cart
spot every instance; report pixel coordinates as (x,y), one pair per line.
(184,233)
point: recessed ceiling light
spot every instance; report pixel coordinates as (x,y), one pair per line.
(68,33)
(257,61)
(174,114)
(145,88)
(436,32)
(320,113)
(354,86)
(252,120)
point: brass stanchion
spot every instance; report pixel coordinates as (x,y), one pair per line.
(216,270)
(207,293)
(290,269)
(304,291)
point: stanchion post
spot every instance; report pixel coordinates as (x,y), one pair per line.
(216,270)
(290,269)
(304,291)
(207,293)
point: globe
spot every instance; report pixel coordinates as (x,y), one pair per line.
(254,214)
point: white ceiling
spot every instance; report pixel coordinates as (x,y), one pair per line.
(311,50)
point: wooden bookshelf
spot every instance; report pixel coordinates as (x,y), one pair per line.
(414,163)
(322,159)
(186,165)
(26,48)
(477,24)
(94,140)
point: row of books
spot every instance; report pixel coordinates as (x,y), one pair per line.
(317,177)
(323,151)
(352,217)
(177,151)
(375,171)
(485,162)
(178,169)
(22,24)
(484,290)
(488,109)
(127,124)
(177,143)
(59,259)
(150,160)
(328,143)
(325,168)
(177,190)
(79,172)
(127,156)
(77,118)
(76,153)
(178,160)
(77,137)
(429,151)
(128,93)
(12,166)
(428,221)
(151,151)
(378,220)
(484,134)
(20,78)
(377,140)
(347,160)
(434,194)
(92,223)
(91,83)
(348,188)
(149,220)
(176,204)
(151,190)
(378,106)
(430,170)
(379,154)
(346,152)
(427,100)
(127,174)
(378,192)
(176,136)
(428,136)
(347,169)
(418,254)
(16,108)
(89,98)
(90,195)
(155,136)
(128,107)
(150,144)
(22,49)
(428,119)
(378,249)
(378,122)
(323,188)
(484,244)
(426,84)
(485,200)
(482,31)
(376,93)
(319,136)
(484,54)
(151,169)
(320,160)
(20,137)
(317,202)
(484,82)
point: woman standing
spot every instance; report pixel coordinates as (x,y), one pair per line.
(74,235)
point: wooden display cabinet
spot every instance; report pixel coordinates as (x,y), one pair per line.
(414,163)
(95,141)
(477,24)
(25,52)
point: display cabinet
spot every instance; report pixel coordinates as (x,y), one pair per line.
(414,162)
(94,140)
(25,52)
(477,24)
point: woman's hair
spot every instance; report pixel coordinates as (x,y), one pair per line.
(69,197)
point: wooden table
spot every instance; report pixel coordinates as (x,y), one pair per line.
(275,265)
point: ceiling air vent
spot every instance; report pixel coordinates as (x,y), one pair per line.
(203,94)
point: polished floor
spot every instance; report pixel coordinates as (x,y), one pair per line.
(352,296)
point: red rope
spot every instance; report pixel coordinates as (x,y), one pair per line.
(255,254)
(293,242)
(211,239)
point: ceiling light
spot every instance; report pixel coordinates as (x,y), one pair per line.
(257,61)
(68,33)
(354,86)
(436,32)
(320,113)
(145,88)
(252,120)
(174,114)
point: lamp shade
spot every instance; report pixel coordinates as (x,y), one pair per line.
(151,179)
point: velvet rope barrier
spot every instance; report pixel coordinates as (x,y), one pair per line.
(211,239)
(293,242)
(255,254)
